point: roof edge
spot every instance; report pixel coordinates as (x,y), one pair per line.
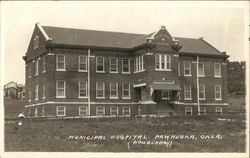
(43,31)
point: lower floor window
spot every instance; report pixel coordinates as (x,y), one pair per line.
(100,110)
(126,111)
(188,111)
(139,110)
(60,111)
(43,111)
(83,110)
(218,110)
(203,111)
(36,111)
(113,110)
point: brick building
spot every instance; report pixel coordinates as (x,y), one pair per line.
(79,73)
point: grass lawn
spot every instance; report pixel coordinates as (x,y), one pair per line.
(53,135)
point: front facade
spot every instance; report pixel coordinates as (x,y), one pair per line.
(85,73)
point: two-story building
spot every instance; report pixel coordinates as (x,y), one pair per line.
(81,73)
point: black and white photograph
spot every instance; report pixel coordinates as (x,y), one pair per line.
(124,79)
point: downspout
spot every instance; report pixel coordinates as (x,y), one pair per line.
(89,82)
(198,86)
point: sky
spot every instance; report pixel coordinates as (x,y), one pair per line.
(223,24)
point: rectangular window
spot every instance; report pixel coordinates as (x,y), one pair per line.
(100,110)
(179,69)
(187,92)
(30,69)
(218,110)
(44,90)
(217,92)
(43,111)
(30,94)
(36,42)
(201,69)
(113,110)
(165,95)
(187,69)
(125,65)
(36,92)
(162,62)
(60,111)
(44,64)
(83,110)
(125,90)
(203,111)
(113,90)
(36,67)
(179,95)
(99,64)
(126,111)
(83,63)
(217,70)
(82,89)
(100,90)
(35,112)
(139,110)
(202,92)
(60,62)
(188,111)
(113,64)
(60,89)
(139,64)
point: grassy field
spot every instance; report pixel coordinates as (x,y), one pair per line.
(53,135)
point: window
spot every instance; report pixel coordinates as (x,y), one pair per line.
(188,111)
(179,68)
(217,92)
(44,90)
(203,111)
(83,63)
(179,95)
(162,62)
(139,64)
(82,89)
(36,92)
(43,111)
(100,90)
(165,95)
(36,67)
(126,111)
(99,64)
(60,62)
(114,90)
(36,112)
(113,64)
(100,110)
(187,92)
(187,69)
(139,110)
(218,110)
(30,69)
(36,42)
(83,110)
(44,64)
(202,92)
(125,90)
(113,110)
(30,95)
(60,111)
(217,70)
(125,65)
(201,69)
(60,89)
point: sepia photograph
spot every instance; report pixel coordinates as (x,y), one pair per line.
(124,79)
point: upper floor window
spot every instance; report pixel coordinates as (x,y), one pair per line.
(36,92)
(125,90)
(201,69)
(202,92)
(113,90)
(60,89)
(44,92)
(100,89)
(60,62)
(165,95)
(44,64)
(162,62)
(139,64)
(30,69)
(179,69)
(83,63)
(99,64)
(36,67)
(36,42)
(217,89)
(125,65)
(82,89)
(217,70)
(187,69)
(113,64)
(30,95)
(187,92)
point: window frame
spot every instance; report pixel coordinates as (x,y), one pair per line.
(220,74)
(203,70)
(103,110)
(116,111)
(116,90)
(57,62)
(129,110)
(204,92)
(36,42)
(188,68)
(36,92)
(185,91)
(44,65)
(215,92)
(139,64)
(57,111)
(164,60)
(124,64)
(218,111)
(168,95)
(126,97)
(81,110)
(103,64)
(110,65)
(64,89)
(79,89)
(83,62)
(44,92)
(103,90)
(204,111)
(191,111)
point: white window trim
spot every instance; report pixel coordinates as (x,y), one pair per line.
(44,65)
(215,93)
(128,66)
(79,63)
(190,68)
(103,83)
(36,112)
(185,98)
(37,67)
(123,91)
(44,92)
(129,110)
(205,111)
(116,91)
(30,93)
(103,109)
(57,69)
(220,76)
(166,57)
(204,92)
(139,64)
(202,69)
(111,110)
(190,111)
(79,89)
(30,70)
(64,110)
(116,60)
(216,110)
(179,69)
(36,92)
(165,98)
(63,91)
(103,63)
(86,114)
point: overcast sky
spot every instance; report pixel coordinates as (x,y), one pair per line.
(223,24)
